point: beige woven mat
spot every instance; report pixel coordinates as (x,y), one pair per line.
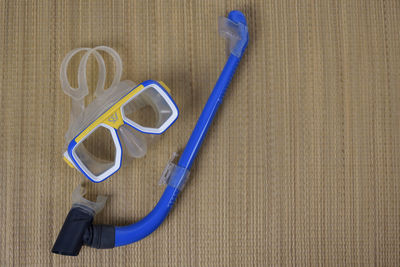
(301,165)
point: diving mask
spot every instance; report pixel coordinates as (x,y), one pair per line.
(116,113)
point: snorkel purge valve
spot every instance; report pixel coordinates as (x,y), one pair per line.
(78,229)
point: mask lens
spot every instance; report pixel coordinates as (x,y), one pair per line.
(149,109)
(97,152)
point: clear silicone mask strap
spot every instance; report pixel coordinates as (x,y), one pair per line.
(78,94)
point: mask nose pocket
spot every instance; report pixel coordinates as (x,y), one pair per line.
(134,142)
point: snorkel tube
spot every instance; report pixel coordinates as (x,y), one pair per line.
(78,229)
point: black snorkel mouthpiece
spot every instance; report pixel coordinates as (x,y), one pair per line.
(78,229)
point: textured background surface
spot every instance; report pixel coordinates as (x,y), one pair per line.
(301,166)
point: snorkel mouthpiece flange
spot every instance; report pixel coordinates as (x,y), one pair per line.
(70,239)
(78,229)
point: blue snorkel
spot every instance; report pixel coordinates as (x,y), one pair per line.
(234,28)
(128,234)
